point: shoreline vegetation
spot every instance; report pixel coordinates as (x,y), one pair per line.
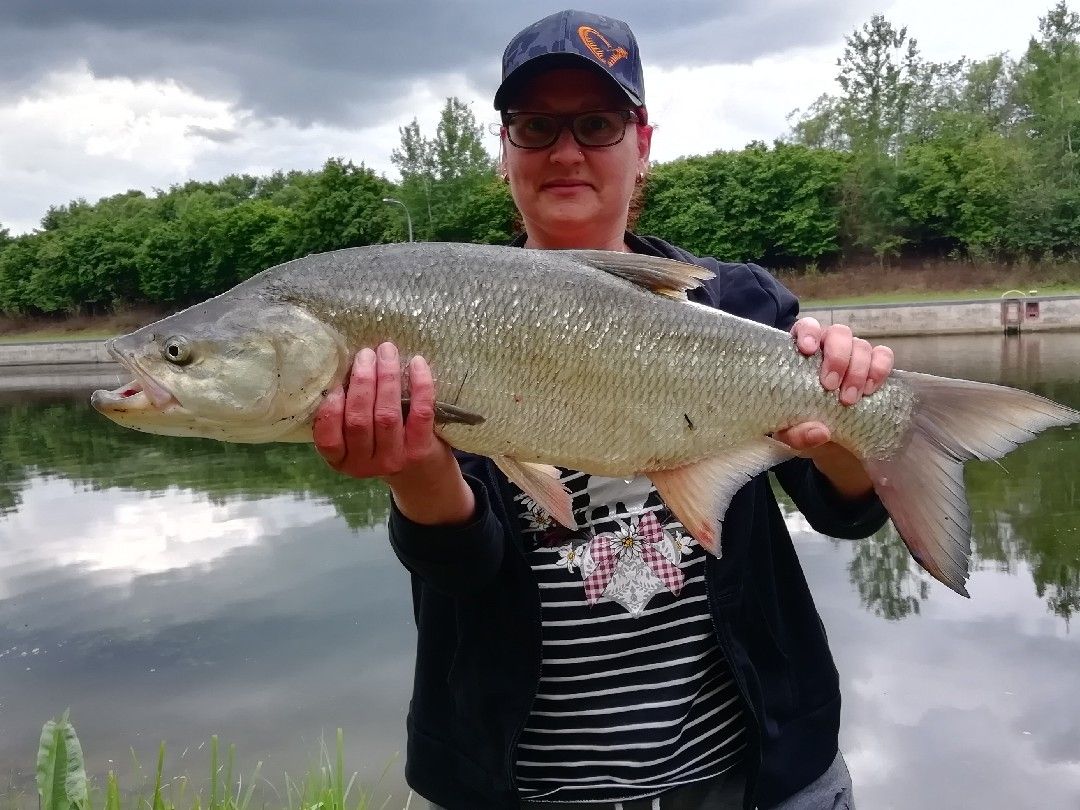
(62,782)
(845,286)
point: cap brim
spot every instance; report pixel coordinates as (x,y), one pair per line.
(552,61)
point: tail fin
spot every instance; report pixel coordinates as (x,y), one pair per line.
(922,486)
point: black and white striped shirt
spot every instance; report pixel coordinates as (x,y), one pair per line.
(635,696)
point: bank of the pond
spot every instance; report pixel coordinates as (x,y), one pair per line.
(1024,313)
(1019,313)
(58,353)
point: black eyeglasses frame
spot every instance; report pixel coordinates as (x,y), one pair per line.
(566,121)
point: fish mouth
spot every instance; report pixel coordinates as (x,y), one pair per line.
(143,393)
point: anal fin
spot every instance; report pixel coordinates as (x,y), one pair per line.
(541,483)
(699,493)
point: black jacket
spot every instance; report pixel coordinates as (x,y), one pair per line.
(477,611)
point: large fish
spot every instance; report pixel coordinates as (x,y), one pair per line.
(588,360)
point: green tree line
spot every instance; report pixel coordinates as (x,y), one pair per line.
(967,159)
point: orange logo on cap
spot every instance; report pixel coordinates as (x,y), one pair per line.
(600,47)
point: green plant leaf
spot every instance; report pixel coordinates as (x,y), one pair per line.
(61,773)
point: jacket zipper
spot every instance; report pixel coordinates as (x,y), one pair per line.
(727,644)
(511,754)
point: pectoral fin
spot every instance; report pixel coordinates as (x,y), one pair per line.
(445,413)
(699,493)
(541,483)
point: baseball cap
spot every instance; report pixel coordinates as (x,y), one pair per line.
(573,39)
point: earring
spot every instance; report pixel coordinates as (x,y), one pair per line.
(640,178)
(506,177)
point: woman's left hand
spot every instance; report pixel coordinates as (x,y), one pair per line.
(852,367)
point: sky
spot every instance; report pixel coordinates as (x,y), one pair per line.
(98,98)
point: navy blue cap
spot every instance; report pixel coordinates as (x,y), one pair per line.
(574,39)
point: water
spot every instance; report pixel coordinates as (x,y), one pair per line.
(173,589)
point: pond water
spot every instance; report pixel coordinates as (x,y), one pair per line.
(174,589)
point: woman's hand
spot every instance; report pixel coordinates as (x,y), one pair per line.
(360,431)
(854,368)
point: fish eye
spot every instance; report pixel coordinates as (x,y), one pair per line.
(177,350)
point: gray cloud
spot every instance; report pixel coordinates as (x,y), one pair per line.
(338,62)
(215,135)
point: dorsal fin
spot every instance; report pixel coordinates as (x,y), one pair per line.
(662,276)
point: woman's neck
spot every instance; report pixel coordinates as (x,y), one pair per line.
(610,239)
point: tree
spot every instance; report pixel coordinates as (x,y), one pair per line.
(343,207)
(18,263)
(778,205)
(175,259)
(886,92)
(448,182)
(957,191)
(1048,91)
(1049,87)
(987,95)
(880,74)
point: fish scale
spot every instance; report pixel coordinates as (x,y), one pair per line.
(589,360)
(582,391)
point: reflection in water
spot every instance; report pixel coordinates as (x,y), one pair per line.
(66,438)
(1027,508)
(173,589)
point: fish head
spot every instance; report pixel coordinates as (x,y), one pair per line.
(254,372)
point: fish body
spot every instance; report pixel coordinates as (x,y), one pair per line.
(588,360)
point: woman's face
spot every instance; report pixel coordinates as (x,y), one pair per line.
(567,193)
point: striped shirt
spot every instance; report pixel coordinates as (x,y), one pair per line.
(635,696)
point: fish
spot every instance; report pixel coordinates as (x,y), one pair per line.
(587,360)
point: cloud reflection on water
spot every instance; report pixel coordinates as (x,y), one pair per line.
(174,590)
(268,621)
(936,707)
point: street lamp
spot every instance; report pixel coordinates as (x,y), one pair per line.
(408,216)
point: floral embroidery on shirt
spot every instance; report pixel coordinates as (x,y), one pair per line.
(683,543)
(623,550)
(626,540)
(537,518)
(570,557)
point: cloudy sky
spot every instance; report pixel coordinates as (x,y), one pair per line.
(99,97)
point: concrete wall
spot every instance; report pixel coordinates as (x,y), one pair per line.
(1033,314)
(50,354)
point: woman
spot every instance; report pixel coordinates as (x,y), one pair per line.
(541,676)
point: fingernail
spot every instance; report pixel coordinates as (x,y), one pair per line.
(387,351)
(809,343)
(851,395)
(817,436)
(832,381)
(367,356)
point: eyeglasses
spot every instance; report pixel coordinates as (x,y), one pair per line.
(532,130)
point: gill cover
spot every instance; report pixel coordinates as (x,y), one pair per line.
(246,373)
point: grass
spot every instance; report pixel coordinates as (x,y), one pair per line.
(58,336)
(62,783)
(930,280)
(41,329)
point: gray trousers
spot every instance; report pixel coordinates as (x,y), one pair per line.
(830,791)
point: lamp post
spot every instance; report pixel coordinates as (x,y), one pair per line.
(408,216)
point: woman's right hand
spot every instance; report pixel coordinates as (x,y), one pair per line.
(361,432)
